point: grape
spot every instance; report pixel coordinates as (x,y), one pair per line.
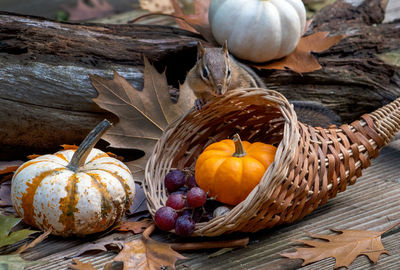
(206,217)
(176,201)
(183,189)
(184,226)
(197,214)
(174,180)
(196,197)
(165,218)
(191,182)
(187,212)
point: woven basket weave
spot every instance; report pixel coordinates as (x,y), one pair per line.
(311,164)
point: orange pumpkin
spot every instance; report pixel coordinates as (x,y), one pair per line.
(229,170)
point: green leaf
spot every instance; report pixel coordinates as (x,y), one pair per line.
(14,262)
(7,238)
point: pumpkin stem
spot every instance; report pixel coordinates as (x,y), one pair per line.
(84,149)
(239,150)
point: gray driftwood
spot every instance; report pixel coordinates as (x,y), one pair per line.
(46,95)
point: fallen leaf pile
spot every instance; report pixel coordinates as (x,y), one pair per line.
(345,247)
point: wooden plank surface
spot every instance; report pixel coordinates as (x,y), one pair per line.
(373,203)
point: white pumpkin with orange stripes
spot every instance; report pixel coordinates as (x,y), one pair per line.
(88,197)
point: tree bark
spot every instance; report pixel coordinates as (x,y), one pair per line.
(46,96)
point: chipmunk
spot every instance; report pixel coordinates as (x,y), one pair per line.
(216,72)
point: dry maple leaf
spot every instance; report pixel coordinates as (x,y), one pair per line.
(301,60)
(134,226)
(147,254)
(78,265)
(82,11)
(143,115)
(344,247)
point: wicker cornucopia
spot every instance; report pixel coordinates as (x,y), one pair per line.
(311,164)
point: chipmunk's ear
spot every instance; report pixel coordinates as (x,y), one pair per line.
(225,48)
(200,50)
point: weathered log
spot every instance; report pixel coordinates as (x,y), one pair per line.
(46,96)
(45,92)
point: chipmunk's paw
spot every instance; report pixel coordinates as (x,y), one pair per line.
(199,103)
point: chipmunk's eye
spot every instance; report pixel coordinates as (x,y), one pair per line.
(229,72)
(205,72)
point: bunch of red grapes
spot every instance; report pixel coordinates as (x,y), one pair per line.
(185,205)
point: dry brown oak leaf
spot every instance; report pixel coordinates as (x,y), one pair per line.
(147,254)
(345,247)
(143,115)
(301,60)
(134,226)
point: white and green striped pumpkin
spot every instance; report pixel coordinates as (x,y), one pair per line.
(89,196)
